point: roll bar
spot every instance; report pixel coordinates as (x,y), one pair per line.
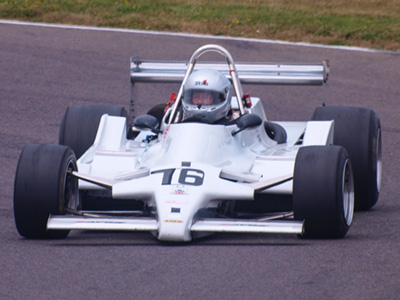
(232,71)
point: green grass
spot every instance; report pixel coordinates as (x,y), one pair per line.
(365,23)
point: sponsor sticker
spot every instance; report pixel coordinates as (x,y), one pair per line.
(179,190)
(176,202)
(173,221)
(166,132)
(201,83)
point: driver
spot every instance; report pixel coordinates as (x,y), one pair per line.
(207,96)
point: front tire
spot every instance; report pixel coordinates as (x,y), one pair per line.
(323,191)
(44,187)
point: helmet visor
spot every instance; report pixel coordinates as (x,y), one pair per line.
(203,97)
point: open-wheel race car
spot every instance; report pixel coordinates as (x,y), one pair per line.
(208,161)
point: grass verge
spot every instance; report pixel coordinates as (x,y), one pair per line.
(365,23)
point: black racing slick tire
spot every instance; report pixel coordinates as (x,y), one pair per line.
(323,191)
(44,187)
(79,125)
(359,131)
(158,112)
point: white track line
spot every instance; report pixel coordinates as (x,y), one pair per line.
(198,36)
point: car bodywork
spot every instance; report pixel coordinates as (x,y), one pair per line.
(185,172)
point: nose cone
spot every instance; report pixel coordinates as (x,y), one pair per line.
(174,231)
(178,204)
(176,208)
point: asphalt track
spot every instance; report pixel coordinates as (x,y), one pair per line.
(45,70)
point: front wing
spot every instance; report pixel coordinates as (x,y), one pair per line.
(148,224)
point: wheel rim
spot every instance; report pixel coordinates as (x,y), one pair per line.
(71,190)
(378,160)
(348,193)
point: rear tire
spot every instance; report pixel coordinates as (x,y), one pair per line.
(323,191)
(79,125)
(158,112)
(359,131)
(43,187)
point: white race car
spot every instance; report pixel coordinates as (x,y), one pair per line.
(207,162)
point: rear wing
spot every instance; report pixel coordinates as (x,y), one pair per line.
(151,71)
(249,73)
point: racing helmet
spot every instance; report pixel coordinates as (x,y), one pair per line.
(207,95)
